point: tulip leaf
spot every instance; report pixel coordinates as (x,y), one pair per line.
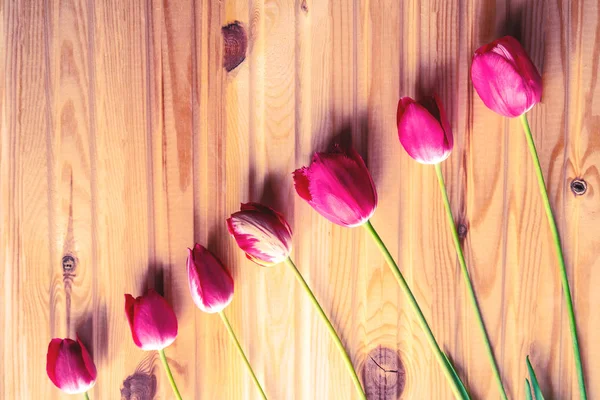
(534,382)
(527,390)
(463,389)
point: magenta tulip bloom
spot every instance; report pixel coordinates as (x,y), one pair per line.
(262,233)
(152,321)
(505,78)
(69,366)
(210,283)
(338,186)
(424,130)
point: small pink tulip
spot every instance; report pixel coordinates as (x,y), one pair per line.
(338,186)
(262,233)
(152,320)
(505,78)
(69,366)
(424,130)
(210,283)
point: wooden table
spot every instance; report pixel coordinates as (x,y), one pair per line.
(124,140)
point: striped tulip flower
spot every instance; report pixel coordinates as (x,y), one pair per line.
(69,366)
(338,186)
(262,233)
(505,78)
(424,130)
(211,285)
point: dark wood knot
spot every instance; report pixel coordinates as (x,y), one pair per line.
(139,386)
(68,263)
(578,187)
(384,375)
(462,231)
(235,43)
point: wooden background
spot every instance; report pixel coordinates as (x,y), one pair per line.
(124,140)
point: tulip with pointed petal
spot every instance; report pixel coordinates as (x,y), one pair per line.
(505,77)
(211,285)
(70,367)
(153,326)
(424,130)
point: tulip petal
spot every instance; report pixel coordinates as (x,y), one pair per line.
(87,360)
(423,136)
(51,359)
(402,104)
(301,183)
(154,321)
(211,285)
(130,303)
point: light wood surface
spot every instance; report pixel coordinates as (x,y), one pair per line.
(124,140)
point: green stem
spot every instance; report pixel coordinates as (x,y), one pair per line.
(561,260)
(241,351)
(437,351)
(86,396)
(465,272)
(330,327)
(163,358)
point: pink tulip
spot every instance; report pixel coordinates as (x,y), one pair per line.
(424,130)
(338,186)
(210,283)
(262,233)
(152,321)
(69,366)
(505,78)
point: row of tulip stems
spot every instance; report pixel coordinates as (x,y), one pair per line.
(338,185)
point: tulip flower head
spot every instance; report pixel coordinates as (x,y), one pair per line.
(69,366)
(262,233)
(505,77)
(211,285)
(338,186)
(152,320)
(424,130)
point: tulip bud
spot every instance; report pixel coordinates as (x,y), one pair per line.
(424,130)
(69,366)
(152,320)
(262,233)
(338,186)
(210,283)
(505,78)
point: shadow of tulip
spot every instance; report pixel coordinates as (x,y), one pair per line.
(87,331)
(154,278)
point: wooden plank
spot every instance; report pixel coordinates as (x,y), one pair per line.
(126,136)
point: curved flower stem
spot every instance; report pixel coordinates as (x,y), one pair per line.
(330,327)
(241,351)
(163,358)
(469,284)
(561,260)
(86,396)
(456,384)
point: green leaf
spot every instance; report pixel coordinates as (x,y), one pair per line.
(528,390)
(534,382)
(463,389)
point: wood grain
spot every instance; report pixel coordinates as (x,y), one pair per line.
(125,139)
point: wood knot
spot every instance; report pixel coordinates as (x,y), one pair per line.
(235,43)
(578,187)
(139,386)
(462,231)
(304,6)
(68,263)
(384,374)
